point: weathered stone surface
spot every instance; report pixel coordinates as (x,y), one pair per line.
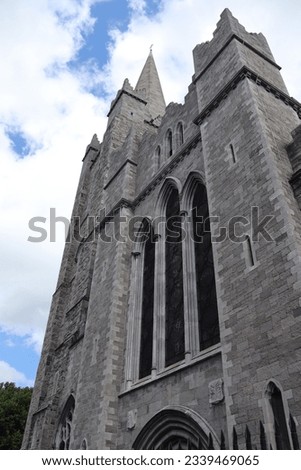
(216,392)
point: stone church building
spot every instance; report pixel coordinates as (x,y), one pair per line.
(170,329)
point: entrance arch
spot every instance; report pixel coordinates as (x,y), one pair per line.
(176,428)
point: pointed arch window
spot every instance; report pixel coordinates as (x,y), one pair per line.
(147,318)
(180,134)
(65,425)
(174,302)
(204,270)
(84,445)
(281,433)
(169,143)
(172,307)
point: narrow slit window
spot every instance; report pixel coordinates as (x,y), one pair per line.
(158,156)
(169,143)
(180,134)
(250,258)
(233,154)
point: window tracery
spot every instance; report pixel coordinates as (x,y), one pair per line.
(65,426)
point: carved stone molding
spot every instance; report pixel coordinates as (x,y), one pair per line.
(131,419)
(216,391)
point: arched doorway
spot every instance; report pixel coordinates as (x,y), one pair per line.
(174,429)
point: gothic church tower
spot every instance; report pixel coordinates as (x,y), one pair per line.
(169,329)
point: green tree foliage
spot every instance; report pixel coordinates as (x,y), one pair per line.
(14,405)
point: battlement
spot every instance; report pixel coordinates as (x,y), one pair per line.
(232,49)
(228,28)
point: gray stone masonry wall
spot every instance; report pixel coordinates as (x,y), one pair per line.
(66,325)
(260,333)
(260,328)
(225,28)
(218,70)
(175,113)
(188,387)
(96,417)
(191,162)
(56,326)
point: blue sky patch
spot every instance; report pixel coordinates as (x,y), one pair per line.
(108,14)
(19,143)
(153,7)
(18,354)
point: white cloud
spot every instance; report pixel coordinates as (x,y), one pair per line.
(181,24)
(9,343)
(137,6)
(52,106)
(9,374)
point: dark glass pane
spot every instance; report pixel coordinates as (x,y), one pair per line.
(180,134)
(174,311)
(294,434)
(206,291)
(281,432)
(158,155)
(169,143)
(146,346)
(263,441)
(177,443)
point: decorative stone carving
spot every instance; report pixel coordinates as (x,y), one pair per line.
(132,419)
(216,391)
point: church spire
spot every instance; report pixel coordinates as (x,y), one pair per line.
(149,87)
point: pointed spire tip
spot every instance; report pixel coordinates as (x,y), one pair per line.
(149,87)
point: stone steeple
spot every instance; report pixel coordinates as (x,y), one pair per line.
(149,88)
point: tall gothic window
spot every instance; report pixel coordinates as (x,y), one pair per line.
(146,342)
(280,425)
(180,134)
(64,430)
(174,308)
(205,280)
(169,143)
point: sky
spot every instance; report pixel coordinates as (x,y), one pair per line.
(62,62)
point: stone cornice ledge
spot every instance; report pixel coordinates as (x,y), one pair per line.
(123,202)
(40,410)
(124,92)
(201,357)
(127,161)
(245,72)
